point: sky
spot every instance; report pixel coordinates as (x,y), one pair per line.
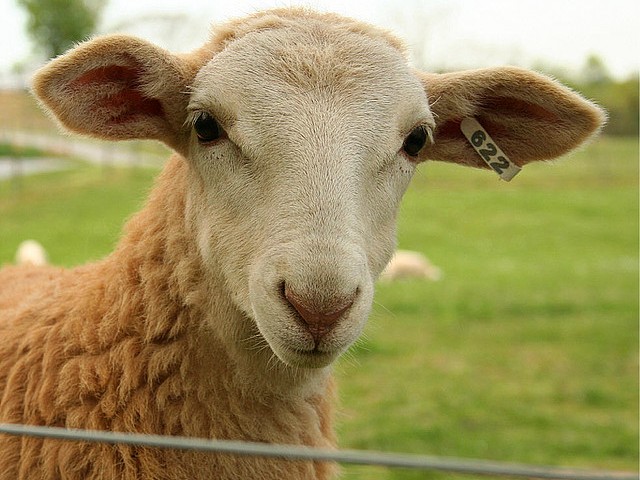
(445,34)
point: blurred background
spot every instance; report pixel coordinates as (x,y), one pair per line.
(592,47)
(526,348)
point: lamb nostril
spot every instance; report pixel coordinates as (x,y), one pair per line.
(319,319)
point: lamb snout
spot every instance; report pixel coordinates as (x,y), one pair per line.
(310,307)
(319,318)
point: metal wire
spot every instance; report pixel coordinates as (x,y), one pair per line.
(296,452)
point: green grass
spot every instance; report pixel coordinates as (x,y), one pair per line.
(8,150)
(76,214)
(526,351)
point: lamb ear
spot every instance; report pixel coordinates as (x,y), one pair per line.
(529,116)
(117,87)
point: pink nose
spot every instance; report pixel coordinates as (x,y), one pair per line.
(319,320)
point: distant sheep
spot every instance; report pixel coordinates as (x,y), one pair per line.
(406,264)
(252,266)
(32,253)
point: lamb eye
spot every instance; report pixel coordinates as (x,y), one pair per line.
(415,141)
(207,128)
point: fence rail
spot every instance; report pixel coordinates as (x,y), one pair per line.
(295,452)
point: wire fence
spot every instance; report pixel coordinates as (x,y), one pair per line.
(296,453)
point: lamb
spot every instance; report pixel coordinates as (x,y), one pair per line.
(251,267)
(408,264)
(31,252)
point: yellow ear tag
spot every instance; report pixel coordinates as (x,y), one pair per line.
(488,150)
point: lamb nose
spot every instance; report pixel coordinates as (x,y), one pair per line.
(319,320)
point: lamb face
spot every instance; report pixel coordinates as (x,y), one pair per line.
(301,132)
(298,160)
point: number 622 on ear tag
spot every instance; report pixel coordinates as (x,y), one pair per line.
(488,150)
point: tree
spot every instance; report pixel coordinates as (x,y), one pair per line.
(55,25)
(595,70)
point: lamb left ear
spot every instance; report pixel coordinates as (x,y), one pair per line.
(118,87)
(529,116)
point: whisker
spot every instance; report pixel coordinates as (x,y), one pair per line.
(390,312)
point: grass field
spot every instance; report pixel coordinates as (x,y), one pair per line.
(526,351)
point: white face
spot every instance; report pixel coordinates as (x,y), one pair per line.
(299,154)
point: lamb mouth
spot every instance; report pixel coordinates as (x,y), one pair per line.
(315,358)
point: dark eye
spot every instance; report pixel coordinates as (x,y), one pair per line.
(206,127)
(415,141)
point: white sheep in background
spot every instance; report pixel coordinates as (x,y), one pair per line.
(251,267)
(32,253)
(407,264)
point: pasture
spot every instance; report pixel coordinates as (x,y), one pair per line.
(526,350)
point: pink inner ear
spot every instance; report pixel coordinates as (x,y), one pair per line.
(510,106)
(499,106)
(126,104)
(129,103)
(108,74)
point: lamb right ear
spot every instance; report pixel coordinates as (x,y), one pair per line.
(118,87)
